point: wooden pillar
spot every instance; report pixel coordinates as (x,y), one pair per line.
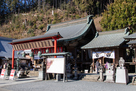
(13,53)
(114,57)
(113,60)
(93,65)
(134,54)
(135,68)
(103,60)
(55,46)
(82,55)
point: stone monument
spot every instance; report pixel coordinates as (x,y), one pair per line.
(101,73)
(41,75)
(121,72)
(110,73)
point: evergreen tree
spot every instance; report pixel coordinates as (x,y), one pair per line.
(120,14)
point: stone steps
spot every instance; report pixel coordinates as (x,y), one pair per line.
(92,78)
(33,73)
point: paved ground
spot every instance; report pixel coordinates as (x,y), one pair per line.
(33,84)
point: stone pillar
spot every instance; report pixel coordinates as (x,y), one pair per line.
(101,73)
(110,74)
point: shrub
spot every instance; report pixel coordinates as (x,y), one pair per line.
(13,19)
(54,22)
(41,27)
(40,18)
(23,26)
(17,26)
(34,26)
(30,23)
(30,31)
(77,16)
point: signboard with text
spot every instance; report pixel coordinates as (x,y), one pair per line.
(55,65)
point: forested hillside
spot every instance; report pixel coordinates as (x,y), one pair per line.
(26,18)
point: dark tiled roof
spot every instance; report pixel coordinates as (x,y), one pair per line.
(131,42)
(6,48)
(72,29)
(107,39)
(132,36)
(67,30)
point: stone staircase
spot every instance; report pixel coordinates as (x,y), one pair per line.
(90,77)
(33,73)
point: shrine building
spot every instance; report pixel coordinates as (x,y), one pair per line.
(107,46)
(68,36)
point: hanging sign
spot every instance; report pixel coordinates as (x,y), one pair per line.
(3,72)
(12,74)
(106,54)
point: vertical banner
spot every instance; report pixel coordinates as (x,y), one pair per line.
(55,65)
(3,72)
(12,74)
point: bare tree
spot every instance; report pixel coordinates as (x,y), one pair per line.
(43,4)
(39,4)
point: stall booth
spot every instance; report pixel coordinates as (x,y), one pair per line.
(107,47)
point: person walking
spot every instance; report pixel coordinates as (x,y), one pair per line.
(97,66)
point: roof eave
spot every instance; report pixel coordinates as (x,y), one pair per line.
(37,38)
(81,35)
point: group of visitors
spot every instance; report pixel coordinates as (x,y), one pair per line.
(5,66)
(98,63)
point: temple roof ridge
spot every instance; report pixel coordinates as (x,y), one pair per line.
(69,23)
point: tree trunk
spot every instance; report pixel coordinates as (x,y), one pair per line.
(39,5)
(43,2)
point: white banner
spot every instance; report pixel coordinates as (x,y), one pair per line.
(55,65)
(3,72)
(106,54)
(12,74)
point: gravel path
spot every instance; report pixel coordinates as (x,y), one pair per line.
(71,85)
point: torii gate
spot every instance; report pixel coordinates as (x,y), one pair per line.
(37,42)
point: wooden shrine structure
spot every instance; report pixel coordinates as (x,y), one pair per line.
(107,46)
(37,43)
